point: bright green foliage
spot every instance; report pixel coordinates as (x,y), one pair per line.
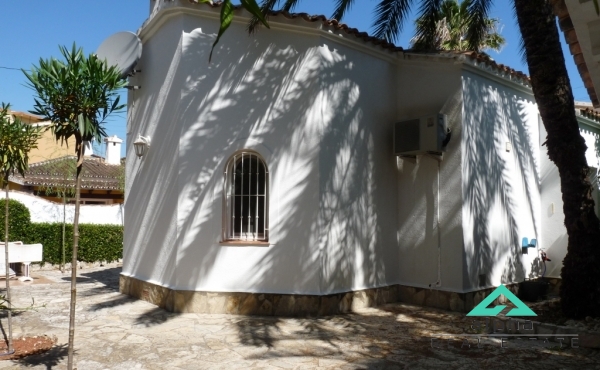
(227,9)
(19,220)
(76,95)
(16,140)
(97,242)
(447,29)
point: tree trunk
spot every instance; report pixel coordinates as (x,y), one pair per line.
(580,288)
(8,299)
(63,230)
(74,272)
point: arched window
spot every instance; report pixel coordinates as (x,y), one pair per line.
(246,198)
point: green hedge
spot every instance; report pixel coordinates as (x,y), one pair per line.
(96,242)
(18,220)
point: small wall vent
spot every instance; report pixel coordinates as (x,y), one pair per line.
(424,135)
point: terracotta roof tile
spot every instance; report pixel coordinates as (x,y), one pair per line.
(96,175)
(566,25)
(591,114)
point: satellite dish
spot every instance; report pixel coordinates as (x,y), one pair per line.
(123,49)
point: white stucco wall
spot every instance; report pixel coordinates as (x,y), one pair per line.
(552,215)
(344,213)
(357,197)
(151,181)
(294,97)
(42,210)
(430,256)
(500,188)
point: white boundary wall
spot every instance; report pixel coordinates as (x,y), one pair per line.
(43,210)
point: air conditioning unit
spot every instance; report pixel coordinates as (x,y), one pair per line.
(425,135)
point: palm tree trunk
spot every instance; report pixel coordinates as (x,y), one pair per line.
(580,289)
(74,272)
(8,298)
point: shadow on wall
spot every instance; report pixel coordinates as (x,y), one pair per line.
(263,86)
(271,86)
(275,85)
(499,187)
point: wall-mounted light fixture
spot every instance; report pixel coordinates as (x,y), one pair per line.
(141,145)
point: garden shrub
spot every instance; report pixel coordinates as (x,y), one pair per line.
(96,242)
(19,220)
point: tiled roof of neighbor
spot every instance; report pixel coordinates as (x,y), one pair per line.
(566,25)
(95,175)
(591,114)
(334,24)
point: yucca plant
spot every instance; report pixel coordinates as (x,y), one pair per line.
(76,95)
(16,140)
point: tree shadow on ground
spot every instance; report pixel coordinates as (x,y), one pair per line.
(394,336)
(109,277)
(50,358)
(153,317)
(119,301)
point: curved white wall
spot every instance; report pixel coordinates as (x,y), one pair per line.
(344,213)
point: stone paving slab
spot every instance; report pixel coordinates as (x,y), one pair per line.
(117,332)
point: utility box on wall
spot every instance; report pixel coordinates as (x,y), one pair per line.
(425,135)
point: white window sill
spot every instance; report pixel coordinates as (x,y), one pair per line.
(244,243)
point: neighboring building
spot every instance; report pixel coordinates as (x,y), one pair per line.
(291,132)
(47,146)
(102,180)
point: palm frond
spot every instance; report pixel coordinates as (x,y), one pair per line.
(431,27)
(290,5)
(390,16)
(265,7)
(478,15)
(341,7)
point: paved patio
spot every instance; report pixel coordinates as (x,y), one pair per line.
(116,332)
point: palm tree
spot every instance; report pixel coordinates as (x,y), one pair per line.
(580,289)
(76,95)
(451,30)
(16,140)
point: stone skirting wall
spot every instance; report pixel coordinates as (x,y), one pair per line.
(297,304)
(451,301)
(256,303)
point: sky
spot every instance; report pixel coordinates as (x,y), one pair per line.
(31,30)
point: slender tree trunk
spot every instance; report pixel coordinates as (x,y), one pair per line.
(8,298)
(64,257)
(580,288)
(74,272)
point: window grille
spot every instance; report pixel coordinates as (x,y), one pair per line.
(246,202)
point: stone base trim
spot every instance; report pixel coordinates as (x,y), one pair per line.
(269,304)
(449,301)
(264,304)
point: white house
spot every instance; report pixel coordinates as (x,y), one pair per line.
(271,185)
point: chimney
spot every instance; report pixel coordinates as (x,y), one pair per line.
(113,150)
(89,148)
